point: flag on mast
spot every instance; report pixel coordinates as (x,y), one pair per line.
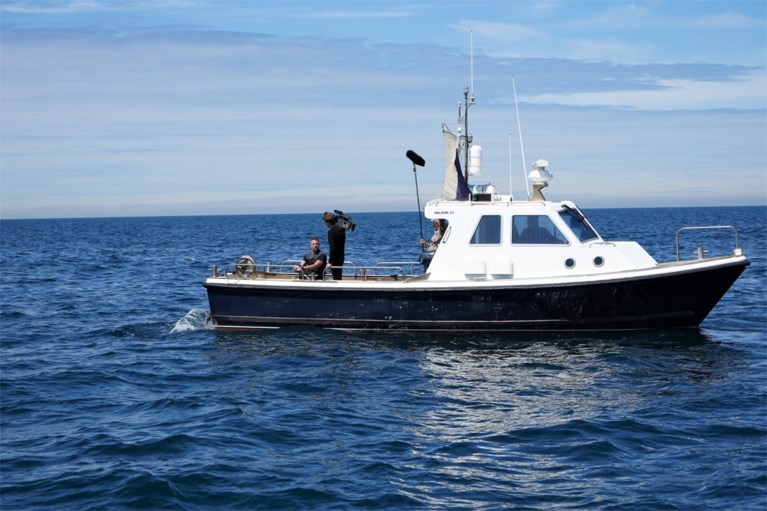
(454,186)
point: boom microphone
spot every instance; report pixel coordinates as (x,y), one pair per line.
(417,160)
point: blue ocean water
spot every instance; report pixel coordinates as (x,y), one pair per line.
(115,395)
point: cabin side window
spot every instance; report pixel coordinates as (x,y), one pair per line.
(488,231)
(577,223)
(535,230)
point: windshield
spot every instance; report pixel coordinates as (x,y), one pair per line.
(577,223)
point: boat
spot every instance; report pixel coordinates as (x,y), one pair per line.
(503,264)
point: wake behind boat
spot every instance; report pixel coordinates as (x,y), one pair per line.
(502,264)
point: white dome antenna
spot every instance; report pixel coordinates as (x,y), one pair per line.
(540,178)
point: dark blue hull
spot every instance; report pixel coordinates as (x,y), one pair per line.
(669,301)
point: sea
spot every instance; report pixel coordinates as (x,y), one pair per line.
(115,393)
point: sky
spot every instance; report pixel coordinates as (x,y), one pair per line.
(209,107)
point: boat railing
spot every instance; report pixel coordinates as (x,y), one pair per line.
(257,270)
(410,265)
(387,270)
(700,250)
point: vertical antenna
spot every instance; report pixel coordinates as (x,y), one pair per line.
(471,46)
(468,101)
(519,129)
(511,187)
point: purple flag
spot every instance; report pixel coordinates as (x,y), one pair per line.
(462,193)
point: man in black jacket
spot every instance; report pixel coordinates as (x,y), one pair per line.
(314,262)
(336,244)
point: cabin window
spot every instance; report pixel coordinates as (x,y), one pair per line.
(577,223)
(488,231)
(535,230)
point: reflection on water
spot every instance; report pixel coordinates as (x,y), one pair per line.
(497,384)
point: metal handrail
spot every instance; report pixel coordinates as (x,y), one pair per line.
(399,264)
(285,267)
(707,227)
(378,270)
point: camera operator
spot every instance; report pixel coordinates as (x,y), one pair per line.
(336,244)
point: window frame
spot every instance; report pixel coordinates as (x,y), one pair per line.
(474,234)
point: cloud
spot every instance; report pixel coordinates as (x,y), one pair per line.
(361,13)
(628,32)
(671,94)
(79,6)
(726,20)
(499,32)
(183,121)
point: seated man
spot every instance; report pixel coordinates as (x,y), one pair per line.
(440,226)
(313,265)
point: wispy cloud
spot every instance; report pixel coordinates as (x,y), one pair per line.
(176,110)
(361,13)
(747,91)
(726,20)
(82,6)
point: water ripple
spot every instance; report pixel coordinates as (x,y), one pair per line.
(115,394)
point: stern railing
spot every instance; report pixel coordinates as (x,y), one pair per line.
(387,270)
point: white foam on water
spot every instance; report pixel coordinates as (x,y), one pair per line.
(195,319)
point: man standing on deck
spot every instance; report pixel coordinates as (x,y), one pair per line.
(336,244)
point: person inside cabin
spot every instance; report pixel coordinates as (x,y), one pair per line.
(431,246)
(314,262)
(439,230)
(336,245)
(535,234)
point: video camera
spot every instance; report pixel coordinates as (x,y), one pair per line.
(343,220)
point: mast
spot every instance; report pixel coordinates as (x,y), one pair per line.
(466,137)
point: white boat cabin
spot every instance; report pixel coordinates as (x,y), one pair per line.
(498,238)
